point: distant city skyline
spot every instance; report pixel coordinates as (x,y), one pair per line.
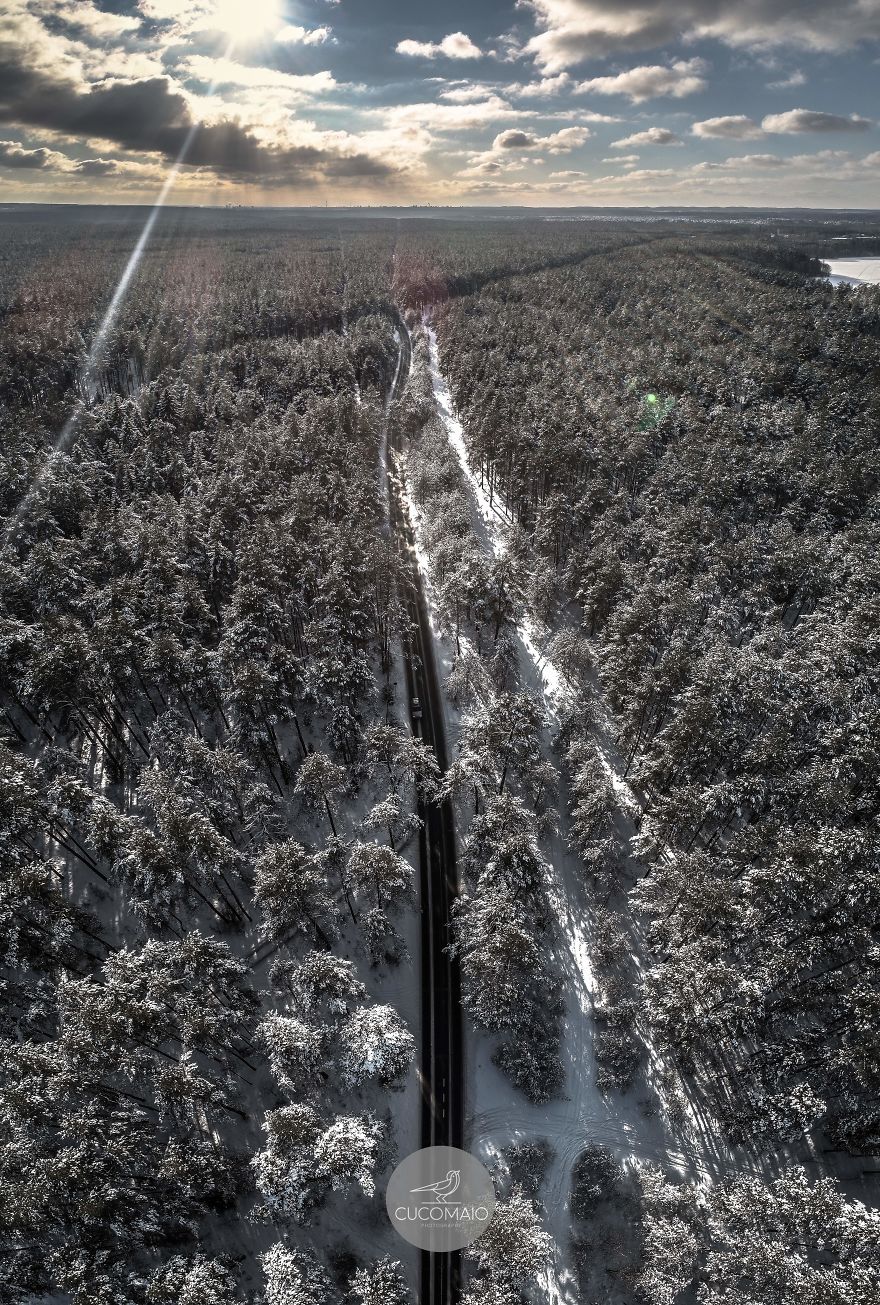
(542,102)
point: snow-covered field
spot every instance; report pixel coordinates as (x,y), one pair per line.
(854,271)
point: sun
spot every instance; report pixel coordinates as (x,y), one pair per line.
(248,20)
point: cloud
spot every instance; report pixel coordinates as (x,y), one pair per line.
(470,93)
(109,61)
(796,78)
(574,30)
(568,175)
(97,167)
(293,35)
(837,164)
(228,72)
(651,136)
(454,46)
(111,87)
(85,18)
(450,117)
(742,162)
(536,189)
(500,188)
(587,115)
(804,177)
(645,83)
(514,148)
(735,126)
(13,155)
(514,140)
(569,138)
(153,116)
(484,168)
(459,46)
(560,142)
(795,121)
(545,86)
(642,174)
(166,11)
(181,18)
(583,115)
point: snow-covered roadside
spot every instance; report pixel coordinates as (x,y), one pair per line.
(397,987)
(633,1124)
(349,1219)
(383,441)
(542,674)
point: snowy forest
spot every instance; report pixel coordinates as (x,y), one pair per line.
(627,473)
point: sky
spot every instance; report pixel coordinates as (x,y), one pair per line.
(562,102)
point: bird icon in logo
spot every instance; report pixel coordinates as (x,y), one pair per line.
(444,1188)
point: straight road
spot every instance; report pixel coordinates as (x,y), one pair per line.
(441,1064)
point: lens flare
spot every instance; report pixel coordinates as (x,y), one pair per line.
(108,321)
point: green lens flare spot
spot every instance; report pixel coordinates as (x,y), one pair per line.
(654,409)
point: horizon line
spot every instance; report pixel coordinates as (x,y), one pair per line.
(476,208)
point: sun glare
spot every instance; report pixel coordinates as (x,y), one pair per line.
(248,20)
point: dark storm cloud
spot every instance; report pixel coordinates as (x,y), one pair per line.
(96,168)
(13,155)
(149,115)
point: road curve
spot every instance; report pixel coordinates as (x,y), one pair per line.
(441,1065)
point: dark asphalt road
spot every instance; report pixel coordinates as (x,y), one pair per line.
(441,1061)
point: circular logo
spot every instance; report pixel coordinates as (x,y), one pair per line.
(440,1199)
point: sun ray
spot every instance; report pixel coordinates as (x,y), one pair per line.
(107,322)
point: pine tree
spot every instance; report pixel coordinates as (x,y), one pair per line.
(296,1052)
(292,893)
(321,984)
(381,1284)
(196,1281)
(285,1169)
(294,1277)
(379,872)
(374,1043)
(346,1153)
(514,1248)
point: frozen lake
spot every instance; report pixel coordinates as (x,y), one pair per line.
(854,271)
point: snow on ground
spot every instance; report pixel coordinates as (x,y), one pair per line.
(548,677)
(632,1124)
(383,442)
(347,1218)
(854,271)
(541,673)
